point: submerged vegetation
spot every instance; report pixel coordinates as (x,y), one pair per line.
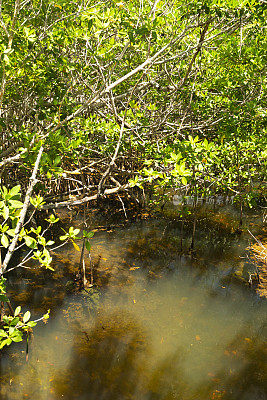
(135,100)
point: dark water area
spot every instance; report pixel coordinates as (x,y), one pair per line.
(157,324)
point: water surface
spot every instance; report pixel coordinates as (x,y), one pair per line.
(157,324)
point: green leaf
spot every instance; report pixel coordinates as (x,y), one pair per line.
(46,316)
(57,160)
(11,232)
(50,242)
(30,242)
(4,192)
(42,240)
(14,321)
(4,241)
(16,203)
(64,237)
(73,232)
(17,311)
(52,219)
(3,333)
(11,330)
(88,245)
(88,235)
(49,267)
(3,343)
(5,212)
(26,316)
(14,191)
(31,324)
(17,338)
(3,297)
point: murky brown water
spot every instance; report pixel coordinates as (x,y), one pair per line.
(157,325)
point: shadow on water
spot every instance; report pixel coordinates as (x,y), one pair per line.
(167,326)
(154,343)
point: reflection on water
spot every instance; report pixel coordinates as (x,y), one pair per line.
(189,335)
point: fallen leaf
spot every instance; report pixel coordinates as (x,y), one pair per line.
(198,337)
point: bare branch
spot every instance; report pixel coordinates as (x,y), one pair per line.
(12,159)
(86,199)
(23,212)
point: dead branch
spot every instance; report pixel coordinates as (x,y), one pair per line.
(86,199)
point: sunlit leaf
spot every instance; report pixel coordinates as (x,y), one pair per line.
(76,246)
(17,311)
(4,241)
(26,316)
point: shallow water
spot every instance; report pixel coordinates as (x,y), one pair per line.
(157,324)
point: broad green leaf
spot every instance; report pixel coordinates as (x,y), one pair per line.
(184,180)
(4,241)
(14,191)
(50,242)
(16,203)
(26,316)
(31,324)
(30,242)
(5,212)
(3,343)
(88,245)
(14,321)
(17,311)
(64,237)
(17,338)
(3,333)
